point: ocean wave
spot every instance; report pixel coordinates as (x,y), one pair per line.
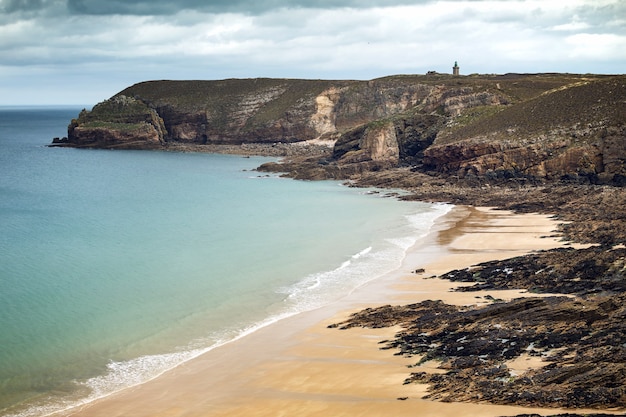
(317,289)
(126,374)
(363,252)
(366,265)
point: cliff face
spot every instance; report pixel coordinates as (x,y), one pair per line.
(120,122)
(576,132)
(263,110)
(402,139)
(539,126)
(267,111)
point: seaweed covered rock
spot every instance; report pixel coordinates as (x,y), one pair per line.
(578,340)
(565,270)
(581,344)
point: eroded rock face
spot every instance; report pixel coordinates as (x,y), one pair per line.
(324,120)
(613,150)
(401,140)
(145,136)
(369,143)
(453,101)
(601,158)
(576,131)
(121,122)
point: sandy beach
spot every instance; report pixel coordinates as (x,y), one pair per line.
(299,366)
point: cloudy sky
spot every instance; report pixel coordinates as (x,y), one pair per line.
(84,51)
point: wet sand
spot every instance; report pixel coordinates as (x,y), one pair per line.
(299,366)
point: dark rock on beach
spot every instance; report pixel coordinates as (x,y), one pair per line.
(567,271)
(582,340)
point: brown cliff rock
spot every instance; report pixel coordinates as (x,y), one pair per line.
(576,131)
(282,110)
(401,140)
(121,122)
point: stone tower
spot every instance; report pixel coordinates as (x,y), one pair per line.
(455,69)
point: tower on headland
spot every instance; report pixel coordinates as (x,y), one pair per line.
(455,69)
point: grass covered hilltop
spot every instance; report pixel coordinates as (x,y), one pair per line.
(547,143)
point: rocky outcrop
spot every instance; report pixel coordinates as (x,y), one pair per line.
(374,142)
(399,136)
(121,122)
(586,271)
(575,133)
(401,140)
(483,157)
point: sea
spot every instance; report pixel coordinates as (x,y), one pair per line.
(116,266)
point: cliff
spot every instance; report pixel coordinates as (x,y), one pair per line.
(541,126)
(575,131)
(121,122)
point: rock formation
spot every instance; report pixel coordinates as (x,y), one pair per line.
(543,126)
(121,122)
(576,131)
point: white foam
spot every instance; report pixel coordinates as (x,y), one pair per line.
(345,264)
(368,264)
(363,252)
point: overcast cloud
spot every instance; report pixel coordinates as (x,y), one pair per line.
(84,51)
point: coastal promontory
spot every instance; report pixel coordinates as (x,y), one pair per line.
(532,126)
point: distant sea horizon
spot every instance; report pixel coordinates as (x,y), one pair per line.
(72,107)
(116,266)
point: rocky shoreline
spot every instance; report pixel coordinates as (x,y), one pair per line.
(580,336)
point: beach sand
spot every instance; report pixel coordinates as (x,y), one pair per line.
(300,367)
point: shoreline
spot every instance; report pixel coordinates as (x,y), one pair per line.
(297,365)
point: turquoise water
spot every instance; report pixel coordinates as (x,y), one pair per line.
(118,265)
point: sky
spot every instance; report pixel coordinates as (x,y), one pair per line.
(85,51)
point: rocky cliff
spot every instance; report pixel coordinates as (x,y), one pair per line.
(575,131)
(121,122)
(543,126)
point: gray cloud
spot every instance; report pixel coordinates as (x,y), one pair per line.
(158,7)
(95,48)
(30,8)
(606,18)
(12,6)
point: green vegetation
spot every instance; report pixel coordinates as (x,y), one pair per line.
(123,127)
(117,110)
(597,103)
(207,95)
